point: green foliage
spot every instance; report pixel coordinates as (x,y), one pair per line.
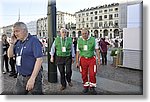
(113,52)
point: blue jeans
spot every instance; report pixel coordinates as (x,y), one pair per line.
(20,88)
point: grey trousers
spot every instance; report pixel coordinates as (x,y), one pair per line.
(21,81)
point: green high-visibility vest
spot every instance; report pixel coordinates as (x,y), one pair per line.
(90,47)
(59,43)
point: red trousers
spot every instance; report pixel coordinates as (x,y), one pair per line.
(88,70)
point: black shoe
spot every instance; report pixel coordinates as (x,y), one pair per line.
(93,91)
(62,88)
(70,84)
(15,75)
(11,74)
(85,90)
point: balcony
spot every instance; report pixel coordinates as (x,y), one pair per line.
(105,27)
(79,28)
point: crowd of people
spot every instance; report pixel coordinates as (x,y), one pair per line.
(24,53)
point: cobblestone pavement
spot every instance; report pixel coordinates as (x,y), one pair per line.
(123,75)
(49,88)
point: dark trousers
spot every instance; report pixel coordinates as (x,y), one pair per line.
(64,66)
(104,58)
(12,63)
(5,60)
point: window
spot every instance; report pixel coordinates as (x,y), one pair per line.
(110,35)
(110,23)
(79,26)
(105,24)
(105,11)
(110,16)
(83,20)
(95,17)
(116,15)
(82,25)
(116,9)
(95,12)
(100,35)
(87,14)
(91,25)
(110,9)
(96,24)
(116,23)
(91,18)
(100,11)
(105,16)
(100,24)
(87,25)
(100,17)
(79,15)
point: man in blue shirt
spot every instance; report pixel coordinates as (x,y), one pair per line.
(28,52)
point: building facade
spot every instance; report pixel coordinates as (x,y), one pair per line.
(7,30)
(63,19)
(105,19)
(32,27)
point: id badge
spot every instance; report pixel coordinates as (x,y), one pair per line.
(63,49)
(85,47)
(18,60)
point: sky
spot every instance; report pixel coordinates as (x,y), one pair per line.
(31,10)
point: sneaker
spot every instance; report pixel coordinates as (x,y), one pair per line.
(62,88)
(93,91)
(85,90)
(70,84)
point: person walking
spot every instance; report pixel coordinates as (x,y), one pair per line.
(103,50)
(85,54)
(63,47)
(28,52)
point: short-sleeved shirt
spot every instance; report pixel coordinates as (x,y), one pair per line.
(31,49)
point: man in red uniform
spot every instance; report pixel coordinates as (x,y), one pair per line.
(85,52)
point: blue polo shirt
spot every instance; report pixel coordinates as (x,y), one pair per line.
(31,49)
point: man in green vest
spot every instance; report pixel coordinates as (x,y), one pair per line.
(64,57)
(86,46)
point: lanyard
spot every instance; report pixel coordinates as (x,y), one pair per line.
(86,42)
(62,41)
(21,51)
(23,45)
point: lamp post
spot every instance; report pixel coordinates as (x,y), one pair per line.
(51,16)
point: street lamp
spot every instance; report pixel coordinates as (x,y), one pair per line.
(51,16)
